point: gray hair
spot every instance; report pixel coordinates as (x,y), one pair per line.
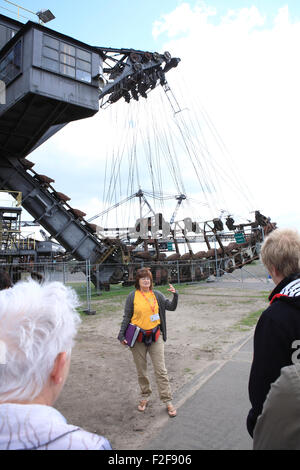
(37,322)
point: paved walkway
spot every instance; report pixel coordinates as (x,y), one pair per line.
(212,409)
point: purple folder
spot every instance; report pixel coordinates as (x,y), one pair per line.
(131,334)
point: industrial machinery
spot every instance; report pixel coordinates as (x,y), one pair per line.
(49,80)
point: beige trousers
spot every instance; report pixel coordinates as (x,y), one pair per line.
(157,355)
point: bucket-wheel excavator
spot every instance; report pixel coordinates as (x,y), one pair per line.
(49,80)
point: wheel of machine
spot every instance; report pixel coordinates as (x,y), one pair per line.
(117,276)
(147,57)
(174,257)
(134,57)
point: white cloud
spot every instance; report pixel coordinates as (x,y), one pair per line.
(183,19)
(244,69)
(247,74)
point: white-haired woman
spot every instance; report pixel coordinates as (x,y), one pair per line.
(38,324)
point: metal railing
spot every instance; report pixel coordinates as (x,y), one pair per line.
(81,275)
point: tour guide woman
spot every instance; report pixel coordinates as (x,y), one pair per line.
(147,309)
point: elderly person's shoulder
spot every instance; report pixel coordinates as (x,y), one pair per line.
(277,427)
(49,430)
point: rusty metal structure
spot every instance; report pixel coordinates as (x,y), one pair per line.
(15,248)
(52,79)
(10,225)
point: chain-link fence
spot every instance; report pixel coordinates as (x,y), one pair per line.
(73,274)
(90,281)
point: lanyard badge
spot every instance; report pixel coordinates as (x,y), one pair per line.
(155,316)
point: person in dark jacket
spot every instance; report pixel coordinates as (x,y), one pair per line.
(277,333)
(146,309)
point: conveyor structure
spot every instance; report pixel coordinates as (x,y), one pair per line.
(49,80)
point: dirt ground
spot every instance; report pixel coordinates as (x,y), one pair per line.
(101,393)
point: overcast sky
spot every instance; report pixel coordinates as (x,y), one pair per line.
(239,66)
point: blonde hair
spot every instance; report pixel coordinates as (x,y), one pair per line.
(281,250)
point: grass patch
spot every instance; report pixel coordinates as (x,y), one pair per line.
(187,370)
(249,321)
(101,308)
(110,302)
(265,295)
(118,291)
